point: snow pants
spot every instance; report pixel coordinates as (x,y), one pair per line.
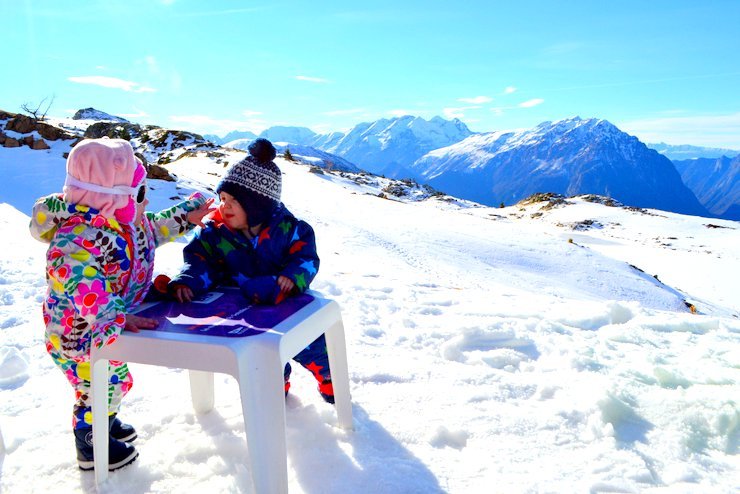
(316,359)
(77,371)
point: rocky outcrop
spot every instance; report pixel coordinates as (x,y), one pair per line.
(23,124)
(51,133)
(153,171)
(9,142)
(39,145)
(159,173)
(114,130)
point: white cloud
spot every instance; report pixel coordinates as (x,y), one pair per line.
(478,100)
(531,103)
(699,130)
(458,112)
(251,113)
(509,90)
(306,78)
(112,82)
(133,117)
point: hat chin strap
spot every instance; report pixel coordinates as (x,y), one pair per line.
(119,190)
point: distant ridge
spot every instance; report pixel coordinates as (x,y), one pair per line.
(686,151)
(716,183)
(569,157)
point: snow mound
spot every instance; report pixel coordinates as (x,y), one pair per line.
(13,368)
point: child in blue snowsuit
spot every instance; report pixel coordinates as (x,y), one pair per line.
(253,242)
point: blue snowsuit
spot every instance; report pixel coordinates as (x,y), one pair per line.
(286,246)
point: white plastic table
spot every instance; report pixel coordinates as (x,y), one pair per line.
(255,361)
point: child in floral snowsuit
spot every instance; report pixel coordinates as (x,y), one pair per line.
(99,267)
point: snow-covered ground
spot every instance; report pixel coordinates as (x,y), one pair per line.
(491,350)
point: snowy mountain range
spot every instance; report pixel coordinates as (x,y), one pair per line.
(716,183)
(231,136)
(571,156)
(388,146)
(385,146)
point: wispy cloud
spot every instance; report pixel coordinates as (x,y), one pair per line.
(151,64)
(457,112)
(531,103)
(500,110)
(509,90)
(478,100)
(306,78)
(112,82)
(134,116)
(721,131)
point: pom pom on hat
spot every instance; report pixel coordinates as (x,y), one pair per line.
(262,150)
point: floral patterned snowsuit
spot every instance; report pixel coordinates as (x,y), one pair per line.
(97,270)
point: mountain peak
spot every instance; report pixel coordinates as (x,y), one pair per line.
(387,146)
(93,114)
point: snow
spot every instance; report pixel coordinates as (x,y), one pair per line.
(490,350)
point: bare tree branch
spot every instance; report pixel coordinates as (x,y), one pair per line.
(36,113)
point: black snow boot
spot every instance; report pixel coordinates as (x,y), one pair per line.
(119,430)
(120,454)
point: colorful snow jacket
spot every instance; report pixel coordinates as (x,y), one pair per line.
(97,268)
(220,256)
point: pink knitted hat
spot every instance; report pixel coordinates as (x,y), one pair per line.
(104,174)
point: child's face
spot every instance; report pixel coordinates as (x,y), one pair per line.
(232,212)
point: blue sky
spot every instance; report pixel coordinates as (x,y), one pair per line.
(661,70)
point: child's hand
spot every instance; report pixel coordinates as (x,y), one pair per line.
(181,292)
(196,215)
(135,323)
(286,284)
